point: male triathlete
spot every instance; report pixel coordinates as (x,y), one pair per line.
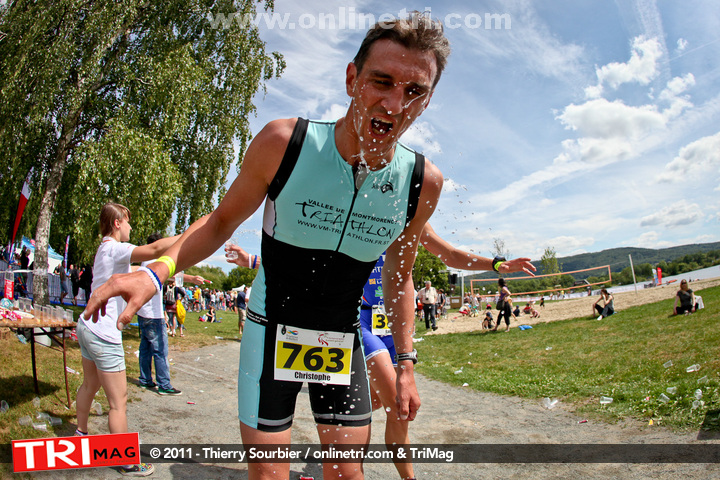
(334,212)
(379,349)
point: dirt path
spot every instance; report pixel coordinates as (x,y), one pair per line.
(574,308)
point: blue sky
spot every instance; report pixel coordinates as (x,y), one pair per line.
(580,125)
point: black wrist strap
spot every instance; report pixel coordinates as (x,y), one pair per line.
(497,261)
(407,356)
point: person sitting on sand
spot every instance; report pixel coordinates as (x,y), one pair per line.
(488,320)
(686,298)
(609,306)
(530,310)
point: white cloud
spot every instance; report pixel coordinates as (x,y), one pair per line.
(641,68)
(681,45)
(566,245)
(420,136)
(600,118)
(698,158)
(334,112)
(676,215)
(651,240)
(671,95)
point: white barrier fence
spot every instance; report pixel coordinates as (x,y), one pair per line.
(53,284)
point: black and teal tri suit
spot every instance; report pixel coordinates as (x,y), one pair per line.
(321,238)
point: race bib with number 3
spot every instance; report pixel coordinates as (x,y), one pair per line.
(380,323)
(303,355)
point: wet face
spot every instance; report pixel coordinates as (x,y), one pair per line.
(388,94)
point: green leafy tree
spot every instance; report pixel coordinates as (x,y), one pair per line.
(141,102)
(215,275)
(429,267)
(548,262)
(240,276)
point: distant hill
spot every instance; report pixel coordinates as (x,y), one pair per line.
(618,259)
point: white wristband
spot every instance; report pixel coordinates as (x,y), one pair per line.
(153,276)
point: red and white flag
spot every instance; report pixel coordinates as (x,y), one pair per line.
(22,202)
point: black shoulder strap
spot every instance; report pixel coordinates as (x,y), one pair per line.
(418,175)
(292,152)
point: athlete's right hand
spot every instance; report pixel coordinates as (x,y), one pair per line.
(135,288)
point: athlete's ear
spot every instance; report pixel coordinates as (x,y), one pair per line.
(426,101)
(351,74)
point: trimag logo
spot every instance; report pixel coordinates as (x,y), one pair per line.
(62,453)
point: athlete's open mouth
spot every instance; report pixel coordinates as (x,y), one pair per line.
(380,127)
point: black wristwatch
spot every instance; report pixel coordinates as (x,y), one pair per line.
(406,356)
(497,261)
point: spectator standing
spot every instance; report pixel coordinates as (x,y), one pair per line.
(241,307)
(86,278)
(504,305)
(64,291)
(440,305)
(103,357)
(428,297)
(171,294)
(75,282)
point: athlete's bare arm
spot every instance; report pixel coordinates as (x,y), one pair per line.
(455,258)
(398,289)
(207,234)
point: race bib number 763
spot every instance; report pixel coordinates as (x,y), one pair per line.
(303,355)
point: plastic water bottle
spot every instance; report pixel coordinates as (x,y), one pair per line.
(664,398)
(672,390)
(693,368)
(179,279)
(668,364)
(605,400)
(698,394)
(4,407)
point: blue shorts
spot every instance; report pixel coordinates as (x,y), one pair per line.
(107,357)
(373,344)
(269,405)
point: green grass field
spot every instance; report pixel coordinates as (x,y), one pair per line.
(16,382)
(575,361)
(578,361)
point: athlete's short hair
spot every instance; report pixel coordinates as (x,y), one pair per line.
(109,213)
(419,31)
